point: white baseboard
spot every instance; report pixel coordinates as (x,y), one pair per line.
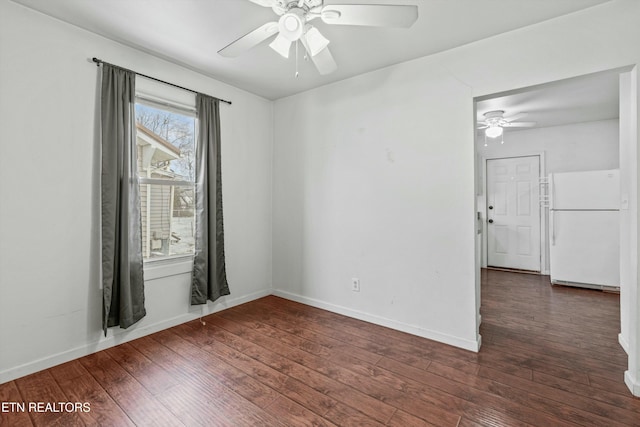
(118,336)
(383,321)
(623,343)
(632,383)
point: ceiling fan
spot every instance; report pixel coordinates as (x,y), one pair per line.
(495,121)
(294,25)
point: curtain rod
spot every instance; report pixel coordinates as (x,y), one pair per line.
(100,61)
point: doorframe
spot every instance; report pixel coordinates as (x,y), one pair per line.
(482,208)
(632,374)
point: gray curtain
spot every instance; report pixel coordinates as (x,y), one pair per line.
(122,276)
(209,273)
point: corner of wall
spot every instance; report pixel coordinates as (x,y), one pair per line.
(632,383)
(471,345)
(272,186)
(622,340)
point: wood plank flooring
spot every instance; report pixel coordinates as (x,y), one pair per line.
(550,357)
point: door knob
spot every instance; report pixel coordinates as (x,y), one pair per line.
(490,221)
(490,207)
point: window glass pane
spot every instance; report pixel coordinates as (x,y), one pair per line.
(166,144)
(166,150)
(167,220)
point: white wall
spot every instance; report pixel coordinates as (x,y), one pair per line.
(630,295)
(628,186)
(50,304)
(374,175)
(576,147)
(363,171)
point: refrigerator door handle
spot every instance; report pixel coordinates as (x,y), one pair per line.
(552,192)
(552,212)
(552,218)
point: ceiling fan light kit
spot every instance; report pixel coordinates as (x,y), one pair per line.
(494,123)
(493,131)
(293,26)
(281,45)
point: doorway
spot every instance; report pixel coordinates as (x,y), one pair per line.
(513,213)
(567,147)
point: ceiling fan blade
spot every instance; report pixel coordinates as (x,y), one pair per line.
(481,126)
(265,3)
(515,117)
(520,124)
(249,40)
(323,60)
(376,15)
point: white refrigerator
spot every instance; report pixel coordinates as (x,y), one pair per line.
(584,233)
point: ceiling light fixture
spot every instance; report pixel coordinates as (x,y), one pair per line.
(281,45)
(493,131)
(291,28)
(291,24)
(294,15)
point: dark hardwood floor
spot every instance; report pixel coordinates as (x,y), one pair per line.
(550,357)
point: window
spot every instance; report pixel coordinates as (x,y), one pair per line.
(165,141)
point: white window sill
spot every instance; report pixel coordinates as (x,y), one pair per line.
(167,267)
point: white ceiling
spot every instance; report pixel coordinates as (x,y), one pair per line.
(582,99)
(190,32)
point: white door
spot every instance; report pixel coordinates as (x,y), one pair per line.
(513,213)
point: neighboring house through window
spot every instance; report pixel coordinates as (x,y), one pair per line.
(166,149)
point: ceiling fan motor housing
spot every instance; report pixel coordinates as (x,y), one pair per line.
(495,118)
(281,7)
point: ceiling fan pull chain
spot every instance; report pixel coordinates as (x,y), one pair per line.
(297,74)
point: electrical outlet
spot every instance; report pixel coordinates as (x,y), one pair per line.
(355,284)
